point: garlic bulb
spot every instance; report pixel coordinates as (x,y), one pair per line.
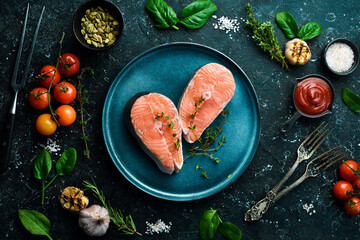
(73,199)
(94,220)
(297,52)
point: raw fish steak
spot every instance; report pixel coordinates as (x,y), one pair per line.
(154,121)
(206,95)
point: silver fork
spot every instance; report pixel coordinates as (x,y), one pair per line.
(304,152)
(315,167)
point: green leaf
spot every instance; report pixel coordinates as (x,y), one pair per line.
(229,231)
(162,14)
(309,31)
(66,162)
(42,165)
(36,223)
(351,99)
(197,13)
(287,24)
(209,223)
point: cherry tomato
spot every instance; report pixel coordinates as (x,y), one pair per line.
(45,125)
(46,74)
(343,190)
(356,185)
(65,93)
(39,98)
(352,206)
(348,173)
(67,115)
(69,64)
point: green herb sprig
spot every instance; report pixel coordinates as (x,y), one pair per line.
(210,222)
(210,137)
(124,225)
(197,105)
(36,223)
(194,15)
(264,35)
(82,98)
(43,165)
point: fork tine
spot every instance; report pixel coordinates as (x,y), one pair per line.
(319,140)
(331,162)
(314,132)
(328,158)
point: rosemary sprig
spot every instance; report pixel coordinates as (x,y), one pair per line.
(124,225)
(82,98)
(210,137)
(264,35)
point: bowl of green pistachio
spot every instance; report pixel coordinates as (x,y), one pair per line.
(98,25)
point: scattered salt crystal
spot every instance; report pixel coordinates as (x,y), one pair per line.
(51,146)
(158,227)
(340,57)
(308,207)
(227,24)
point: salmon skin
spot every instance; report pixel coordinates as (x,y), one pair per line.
(208,92)
(154,121)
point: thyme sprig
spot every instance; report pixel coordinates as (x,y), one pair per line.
(82,98)
(210,137)
(264,35)
(124,225)
(192,115)
(170,124)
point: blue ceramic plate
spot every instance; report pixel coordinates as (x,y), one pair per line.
(167,69)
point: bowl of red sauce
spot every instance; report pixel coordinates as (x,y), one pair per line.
(313,97)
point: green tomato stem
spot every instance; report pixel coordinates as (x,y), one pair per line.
(47,185)
(175,27)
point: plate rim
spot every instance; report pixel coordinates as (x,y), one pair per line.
(139,184)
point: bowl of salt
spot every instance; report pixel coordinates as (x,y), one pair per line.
(341,56)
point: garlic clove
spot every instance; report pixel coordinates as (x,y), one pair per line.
(73,199)
(94,220)
(297,52)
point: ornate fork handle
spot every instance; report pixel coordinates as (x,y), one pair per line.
(261,207)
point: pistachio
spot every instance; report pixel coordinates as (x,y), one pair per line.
(99,27)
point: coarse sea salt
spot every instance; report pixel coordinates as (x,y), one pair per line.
(51,146)
(158,227)
(226,24)
(339,57)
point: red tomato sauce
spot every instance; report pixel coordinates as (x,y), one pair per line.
(313,96)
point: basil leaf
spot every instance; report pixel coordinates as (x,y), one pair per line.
(162,14)
(208,224)
(35,222)
(66,162)
(229,231)
(197,13)
(309,31)
(42,165)
(351,99)
(287,24)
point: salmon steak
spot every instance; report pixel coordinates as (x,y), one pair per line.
(154,121)
(208,92)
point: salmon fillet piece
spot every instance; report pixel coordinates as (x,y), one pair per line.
(211,88)
(155,123)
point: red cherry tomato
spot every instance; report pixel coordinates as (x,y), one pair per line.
(45,125)
(67,115)
(343,190)
(348,173)
(356,185)
(352,206)
(46,74)
(39,98)
(69,64)
(65,93)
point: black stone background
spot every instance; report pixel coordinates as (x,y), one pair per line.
(275,153)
